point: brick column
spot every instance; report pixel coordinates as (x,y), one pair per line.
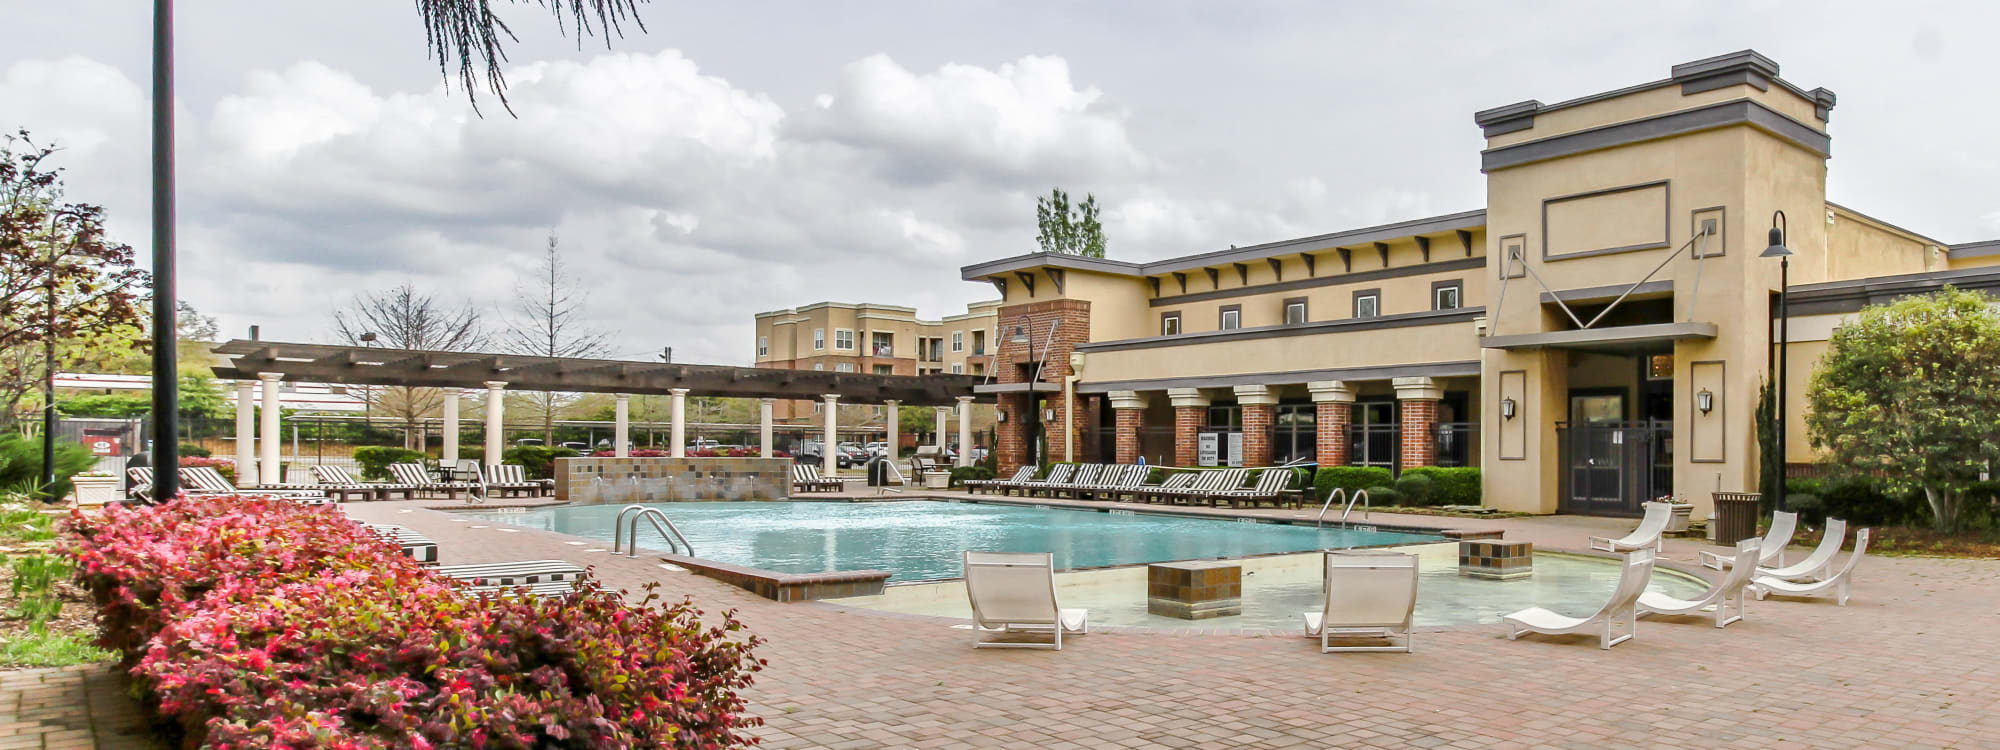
(1333,404)
(1129,409)
(1418,399)
(1012,450)
(1259,404)
(1190,413)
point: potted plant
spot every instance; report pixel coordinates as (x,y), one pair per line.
(95,487)
(1682,513)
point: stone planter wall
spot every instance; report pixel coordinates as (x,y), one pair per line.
(664,480)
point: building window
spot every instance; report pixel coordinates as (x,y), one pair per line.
(1295,311)
(1231,318)
(885,369)
(843,339)
(882,344)
(816,406)
(1368,303)
(1373,434)
(1170,324)
(819,339)
(978,343)
(958,368)
(1447,295)
(958,341)
(763,346)
(819,366)
(843,367)
(1295,433)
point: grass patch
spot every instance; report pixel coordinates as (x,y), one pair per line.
(52,648)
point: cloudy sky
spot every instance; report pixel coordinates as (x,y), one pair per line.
(748,156)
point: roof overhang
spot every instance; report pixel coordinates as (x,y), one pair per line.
(1610,339)
(1034,387)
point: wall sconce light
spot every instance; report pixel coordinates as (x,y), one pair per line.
(1705,401)
(1000,415)
(1020,334)
(1507,407)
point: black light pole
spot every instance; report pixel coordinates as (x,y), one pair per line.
(166,431)
(1784,255)
(49,389)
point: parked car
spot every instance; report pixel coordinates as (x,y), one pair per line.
(877,448)
(851,454)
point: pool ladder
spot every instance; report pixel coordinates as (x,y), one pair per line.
(1360,496)
(627,541)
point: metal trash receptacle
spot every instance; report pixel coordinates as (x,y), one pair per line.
(1736,516)
(878,472)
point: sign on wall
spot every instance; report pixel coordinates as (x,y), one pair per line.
(1235,449)
(1207,445)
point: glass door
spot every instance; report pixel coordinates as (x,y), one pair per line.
(1597,451)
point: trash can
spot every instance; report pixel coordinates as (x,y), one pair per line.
(878,471)
(1735,516)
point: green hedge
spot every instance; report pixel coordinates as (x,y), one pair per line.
(1458,485)
(959,474)
(538,461)
(1349,478)
(375,459)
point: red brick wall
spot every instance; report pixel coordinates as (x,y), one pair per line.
(1331,425)
(1130,421)
(1257,434)
(1187,424)
(1012,452)
(1015,365)
(1418,417)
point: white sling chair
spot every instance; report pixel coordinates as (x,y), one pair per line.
(1367,596)
(1772,554)
(1815,564)
(1015,593)
(1622,607)
(1718,597)
(1647,535)
(1840,584)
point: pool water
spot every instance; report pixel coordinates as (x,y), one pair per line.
(919,540)
(1277,589)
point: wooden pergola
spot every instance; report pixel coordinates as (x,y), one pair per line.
(273,362)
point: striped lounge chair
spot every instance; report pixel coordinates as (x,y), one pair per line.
(1174,482)
(507,483)
(337,479)
(210,481)
(806,478)
(1022,474)
(1057,478)
(1086,477)
(412,543)
(516,475)
(1270,488)
(538,577)
(420,480)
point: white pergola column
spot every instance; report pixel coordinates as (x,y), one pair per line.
(964,430)
(831,442)
(894,409)
(267,463)
(496,405)
(939,431)
(450,456)
(677,414)
(621,426)
(764,440)
(246,430)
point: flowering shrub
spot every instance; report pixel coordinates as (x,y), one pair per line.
(310,633)
(223,466)
(636,453)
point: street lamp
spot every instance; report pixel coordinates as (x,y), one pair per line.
(1784,255)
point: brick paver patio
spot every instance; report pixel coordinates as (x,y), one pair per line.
(1908,664)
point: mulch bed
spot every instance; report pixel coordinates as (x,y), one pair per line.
(1918,542)
(76,615)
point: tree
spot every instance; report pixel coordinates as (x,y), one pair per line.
(548,322)
(1911,391)
(1067,230)
(401,318)
(469,32)
(63,284)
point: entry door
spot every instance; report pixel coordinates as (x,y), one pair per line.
(1598,455)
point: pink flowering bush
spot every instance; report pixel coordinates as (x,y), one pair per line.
(319,637)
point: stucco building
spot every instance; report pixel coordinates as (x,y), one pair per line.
(872,338)
(1595,337)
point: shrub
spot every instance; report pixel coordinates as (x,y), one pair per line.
(191,449)
(375,459)
(225,467)
(21,463)
(1414,489)
(261,623)
(635,453)
(1383,497)
(1864,501)
(1809,507)
(539,461)
(1349,478)
(960,474)
(1454,485)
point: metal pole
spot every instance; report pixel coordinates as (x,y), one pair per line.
(1784,340)
(49,394)
(166,453)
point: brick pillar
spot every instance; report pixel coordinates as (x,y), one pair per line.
(1418,399)
(1129,409)
(1334,407)
(1012,452)
(1190,413)
(1259,404)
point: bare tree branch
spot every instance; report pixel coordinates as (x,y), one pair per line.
(548,322)
(470,32)
(402,318)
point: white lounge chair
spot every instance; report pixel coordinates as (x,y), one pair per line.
(1016,593)
(1647,535)
(1366,596)
(1814,566)
(1622,607)
(1841,583)
(1772,554)
(1718,597)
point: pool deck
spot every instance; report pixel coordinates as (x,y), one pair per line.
(1907,664)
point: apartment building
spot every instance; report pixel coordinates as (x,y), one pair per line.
(1595,337)
(872,338)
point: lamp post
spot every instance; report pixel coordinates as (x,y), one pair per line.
(166,409)
(1784,255)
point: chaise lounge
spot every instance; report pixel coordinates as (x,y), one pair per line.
(1016,593)
(1366,596)
(1623,606)
(1647,535)
(1718,597)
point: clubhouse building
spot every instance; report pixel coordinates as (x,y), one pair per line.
(1596,337)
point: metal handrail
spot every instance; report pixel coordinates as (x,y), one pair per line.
(1360,496)
(1341,492)
(630,545)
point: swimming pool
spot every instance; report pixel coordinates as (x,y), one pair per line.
(917,540)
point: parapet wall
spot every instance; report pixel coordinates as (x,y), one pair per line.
(664,480)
